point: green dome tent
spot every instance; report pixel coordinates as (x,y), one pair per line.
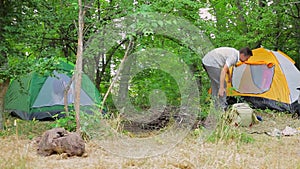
(40,97)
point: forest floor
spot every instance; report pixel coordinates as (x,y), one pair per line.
(264,151)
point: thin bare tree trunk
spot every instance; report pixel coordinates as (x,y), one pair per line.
(3,89)
(78,72)
(117,74)
(66,91)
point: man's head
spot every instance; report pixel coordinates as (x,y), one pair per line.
(245,54)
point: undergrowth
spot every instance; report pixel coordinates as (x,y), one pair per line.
(68,122)
(24,128)
(223,132)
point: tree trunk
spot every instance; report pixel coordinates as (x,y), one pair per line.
(66,93)
(243,24)
(117,74)
(124,84)
(3,89)
(78,71)
(261,4)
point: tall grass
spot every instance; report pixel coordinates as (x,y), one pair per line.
(29,129)
(226,131)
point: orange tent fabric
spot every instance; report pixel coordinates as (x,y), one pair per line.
(283,80)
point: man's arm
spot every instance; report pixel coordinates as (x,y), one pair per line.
(225,70)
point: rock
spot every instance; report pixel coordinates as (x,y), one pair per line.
(62,156)
(289,131)
(59,141)
(275,133)
(85,155)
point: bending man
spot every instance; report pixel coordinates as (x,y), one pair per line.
(217,63)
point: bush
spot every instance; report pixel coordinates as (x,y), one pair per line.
(67,122)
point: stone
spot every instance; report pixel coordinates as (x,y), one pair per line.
(59,141)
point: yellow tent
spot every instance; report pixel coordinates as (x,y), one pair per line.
(267,79)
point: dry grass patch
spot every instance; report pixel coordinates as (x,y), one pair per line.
(263,153)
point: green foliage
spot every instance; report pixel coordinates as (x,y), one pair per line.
(246,138)
(88,122)
(273,25)
(46,28)
(67,122)
(228,134)
(149,80)
(34,33)
(205,96)
(30,33)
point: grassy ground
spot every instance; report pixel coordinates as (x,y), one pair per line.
(256,150)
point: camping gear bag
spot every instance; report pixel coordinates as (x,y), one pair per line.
(243,114)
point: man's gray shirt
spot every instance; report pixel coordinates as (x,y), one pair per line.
(219,56)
